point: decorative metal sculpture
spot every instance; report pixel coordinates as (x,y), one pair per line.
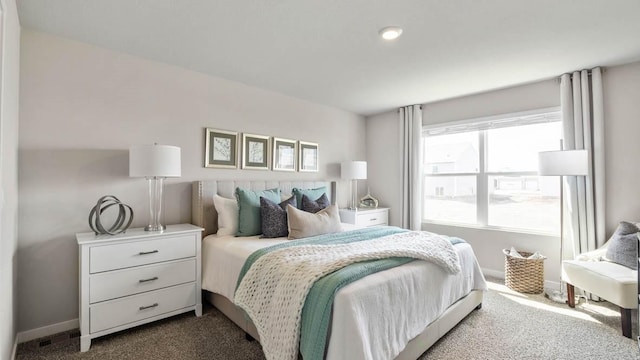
(369,201)
(119,225)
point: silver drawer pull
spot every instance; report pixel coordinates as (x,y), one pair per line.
(146,280)
(373,219)
(147,252)
(148,306)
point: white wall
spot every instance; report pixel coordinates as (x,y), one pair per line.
(622,143)
(536,95)
(383,162)
(9,177)
(83,106)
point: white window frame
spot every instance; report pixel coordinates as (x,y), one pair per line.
(482,125)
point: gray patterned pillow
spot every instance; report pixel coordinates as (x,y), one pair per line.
(312,206)
(623,245)
(274,217)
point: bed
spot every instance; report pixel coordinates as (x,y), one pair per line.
(443,299)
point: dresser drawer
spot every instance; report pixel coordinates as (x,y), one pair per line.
(119,256)
(119,283)
(133,308)
(372,218)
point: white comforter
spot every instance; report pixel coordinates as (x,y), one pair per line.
(359,329)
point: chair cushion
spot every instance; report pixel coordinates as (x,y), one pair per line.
(608,280)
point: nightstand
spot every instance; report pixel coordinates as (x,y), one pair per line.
(365,217)
(137,277)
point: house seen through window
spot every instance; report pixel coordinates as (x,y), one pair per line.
(484,173)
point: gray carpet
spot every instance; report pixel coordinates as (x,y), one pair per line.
(509,326)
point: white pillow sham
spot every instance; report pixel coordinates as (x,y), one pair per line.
(227,215)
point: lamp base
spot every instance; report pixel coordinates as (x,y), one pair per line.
(159,228)
(353,203)
(156,185)
(556,296)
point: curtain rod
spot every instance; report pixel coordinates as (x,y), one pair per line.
(398,109)
(602,70)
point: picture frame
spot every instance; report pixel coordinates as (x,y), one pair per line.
(285,154)
(255,152)
(221,149)
(308,156)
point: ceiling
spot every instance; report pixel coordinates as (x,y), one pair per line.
(329,51)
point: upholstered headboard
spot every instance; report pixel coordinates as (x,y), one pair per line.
(204,214)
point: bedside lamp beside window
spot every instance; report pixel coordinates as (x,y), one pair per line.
(155,163)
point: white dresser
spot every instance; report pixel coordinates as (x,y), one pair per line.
(365,217)
(137,277)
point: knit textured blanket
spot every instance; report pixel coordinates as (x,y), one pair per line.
(273,286)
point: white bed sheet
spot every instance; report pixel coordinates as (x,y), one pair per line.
(370,309)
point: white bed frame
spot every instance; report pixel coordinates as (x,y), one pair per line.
(205,215)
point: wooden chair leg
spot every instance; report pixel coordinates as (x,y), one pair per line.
(625,317)
(571,296)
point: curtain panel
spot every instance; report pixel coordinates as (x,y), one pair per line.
(582,106)
(411,160)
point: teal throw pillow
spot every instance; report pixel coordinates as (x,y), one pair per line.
(311,194)
(249,222)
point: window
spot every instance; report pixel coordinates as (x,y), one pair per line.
(484,172)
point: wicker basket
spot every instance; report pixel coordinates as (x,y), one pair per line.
(524,275)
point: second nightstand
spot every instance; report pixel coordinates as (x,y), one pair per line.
(365,217)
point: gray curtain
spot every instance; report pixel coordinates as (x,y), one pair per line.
(411,159)
(583,128)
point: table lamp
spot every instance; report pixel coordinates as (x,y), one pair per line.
(155,163)
(354,171)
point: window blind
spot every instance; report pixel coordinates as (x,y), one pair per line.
(494,122)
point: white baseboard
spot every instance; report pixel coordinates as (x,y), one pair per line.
(14,353)
(493,273)
(553,285)
(548,284)
(32,334)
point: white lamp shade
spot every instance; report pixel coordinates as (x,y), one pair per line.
(563,163)
(353,170)
(154,160)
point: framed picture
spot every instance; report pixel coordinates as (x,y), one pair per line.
(255,152)
(221,149)
(308,156)
(284,154)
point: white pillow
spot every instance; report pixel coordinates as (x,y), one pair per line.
(303,224)
(227,215)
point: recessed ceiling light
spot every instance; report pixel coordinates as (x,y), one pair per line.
(391,32)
